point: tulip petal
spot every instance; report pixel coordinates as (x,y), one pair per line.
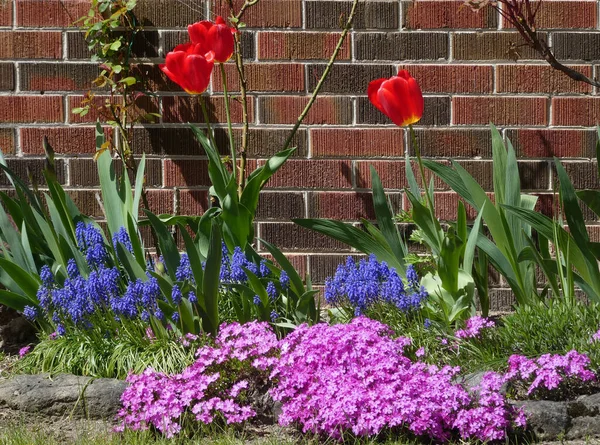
(221,42)
(372,90)
(392,96)
(198,34)
(197,71)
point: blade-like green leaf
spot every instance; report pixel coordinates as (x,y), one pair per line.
(352,236)
(295,280)
(167,245)
(450,177)
(472,243)
(194,257)
(260,177)
(385,219)
(499,157)
(210,285)
(28,282)
(111,199)
(139,187)
(591,198)
(15,301)
(413,185)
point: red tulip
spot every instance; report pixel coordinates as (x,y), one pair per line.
(398,97)
(190,67)
(216,37)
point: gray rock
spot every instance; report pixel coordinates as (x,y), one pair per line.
(584,427)
(63,394)
(548,420)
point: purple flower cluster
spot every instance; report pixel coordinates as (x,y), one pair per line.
(204,388)
(78,298)
(491,416)
(369,281)
(595,337)
(91,242)
(549,370)
(354,377)
(474,327)
(232,267)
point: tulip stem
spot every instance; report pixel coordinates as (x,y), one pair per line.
(229,128)
(428,198)
(211,136)
(323,76)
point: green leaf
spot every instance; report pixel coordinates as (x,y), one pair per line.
(210,285)
(259,178)
(28,283)
(14,300)
(472,243)
(13,239)
(134,270)
(219,176)
(430,227)
(295,280)
(111,199)
(410,176)
(591,198)
(139,187)
(385,220)
(167,245)
(194,256)
(499,157)
(353,237)
(136,242)
(452,178)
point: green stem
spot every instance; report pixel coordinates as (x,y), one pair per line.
(323,76)
(229,129)
(211,136)
(428,198)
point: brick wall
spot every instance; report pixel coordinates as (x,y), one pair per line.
(460,58)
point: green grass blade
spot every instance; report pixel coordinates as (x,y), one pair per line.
(472,243)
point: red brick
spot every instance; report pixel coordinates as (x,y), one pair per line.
(84,172)
(446,206)
(354,142)
(539,79)
(87,202)
(193,202)
(181,109)
(446,14)
(7,141)
(324,266)
(286,109)
(349,206)
(291,237)
(51,13)
(159,202)
(576,111)
(454,143)
(186,172)
(64,140)
(392,174)
(278,77)
(300,46)
(31,109)
(313,173)
(99,110)
(453,78)
(58,76)
(265,13)
(280,206)
(30,45)
(500,110)
(6,13)
(549,143)
(563,15)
